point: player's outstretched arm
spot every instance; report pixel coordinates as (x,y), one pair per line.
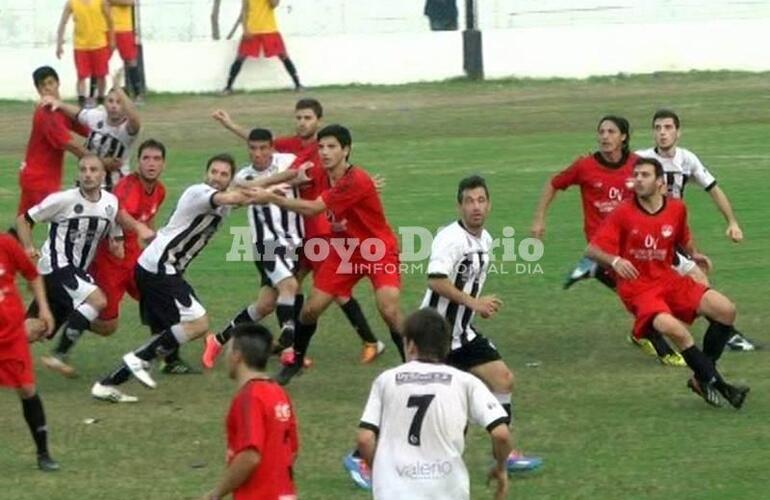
(734,231)
(302,207)
(132,115)
(272,180)
(70,110)
(538,220)
(65,15)
(237,472)
(224,119)
(366,441)
(501,449)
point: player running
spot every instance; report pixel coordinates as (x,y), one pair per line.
(79,218)
(349,196)
(418,414)
(682,166)
(16,368)
(168,303)
(638,242)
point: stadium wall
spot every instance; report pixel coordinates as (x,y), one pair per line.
(393,58)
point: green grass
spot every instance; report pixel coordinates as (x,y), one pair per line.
(609,422)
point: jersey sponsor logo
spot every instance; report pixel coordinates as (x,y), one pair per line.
(615,194)
(282,412)
(650,241)
(667,230)
(423,378)
(439,469)
(630,183)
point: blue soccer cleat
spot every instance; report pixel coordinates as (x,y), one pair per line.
(358,470)
(517,462)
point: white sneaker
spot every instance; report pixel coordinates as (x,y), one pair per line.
(139,369)
(111,393)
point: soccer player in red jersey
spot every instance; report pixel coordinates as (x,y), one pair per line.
(638,242)
(362,243)
(41,172)
(308,114)
(16,369)
(262,439)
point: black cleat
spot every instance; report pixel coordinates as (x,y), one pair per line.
(285,341)
(734,394)
(706,391)
(286,373)
(179,367)
(47,464)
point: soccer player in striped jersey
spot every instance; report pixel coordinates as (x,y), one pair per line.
(79,218)
(113,128)
(168,304)
(457,271)
(682,166)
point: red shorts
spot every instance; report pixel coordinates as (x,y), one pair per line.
(114,282)
(29,199)
(125,42)
(16,368)
(252,46)
(332,277)
(92,63)
(679,296)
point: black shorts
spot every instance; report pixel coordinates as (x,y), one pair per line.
(165,300)
(473,353)
(279,266)
(66,288)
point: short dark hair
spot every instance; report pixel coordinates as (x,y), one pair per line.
(91,156)
(312,104)
(430,333)
(623,126)
(261,134)
(659,172)
(665,113)
(43,72)
(472,182)
(151,144)
(339,132)
(224,158)
(254,342)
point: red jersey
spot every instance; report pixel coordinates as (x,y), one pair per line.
(297,146)
(142,206)
(355,210)
(44,160)
(603,186)
(261,418)
(12,260)
(647,240)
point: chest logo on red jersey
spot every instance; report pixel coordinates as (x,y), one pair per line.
(650,241)
(629,183)
(667,230)
(282,412)
(615,194)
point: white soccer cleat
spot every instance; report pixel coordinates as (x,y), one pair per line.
(111,393)
(139,369)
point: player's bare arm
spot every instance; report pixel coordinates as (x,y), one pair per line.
(733,231)
(110,25)
(237,473)
(302,207)
(224,119)
(37,288)
(65,15)
(501,448)
(623,267)
(701,259)
(128,223)
(116,247)
(58,105)
(486,305)
(24,232)
(366,440)
(76,148)
(132,115)
(538,221)
(215,19)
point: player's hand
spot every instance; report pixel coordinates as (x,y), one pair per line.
(734,232)
(112,164)
(50,101)
(538,229)
(221,116)
(144,233)
(32,253)
(487,306)
(703,261)
(379,182)
(302,172)
(258,195)
(46,317)
(625,269)
(500,476)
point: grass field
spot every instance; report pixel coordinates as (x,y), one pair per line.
(609,422)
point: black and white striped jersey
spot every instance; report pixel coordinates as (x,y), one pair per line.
(464,259)
(76,226)
(107,141)
(270,224)
(680,169)
(190,227)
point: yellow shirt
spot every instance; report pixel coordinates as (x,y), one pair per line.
(90,25)
(122,18)
(261,17)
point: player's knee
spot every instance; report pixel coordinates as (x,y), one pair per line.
(504,381)
(309,314)
(727,312)
(288,286)
(26,391)
(265,308)
(105,328)
(97,300)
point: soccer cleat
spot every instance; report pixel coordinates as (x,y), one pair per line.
(586,268)
(740,343)
(705,391)
(674,359)
(517,462)
(644,344)
(139,369)
(287,358)
(371,350)
(226,92)
(286,373)
(58,365)
(178,367)
(47,464)
(111,393)
(211,351)
(734,394)
(358,470)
